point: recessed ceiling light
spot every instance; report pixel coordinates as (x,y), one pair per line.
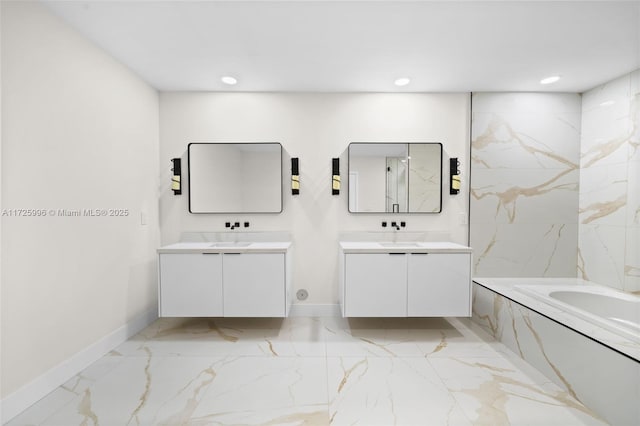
(550,80)
(402,81)
(227,79)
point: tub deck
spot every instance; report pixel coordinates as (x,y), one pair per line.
(512,289)
(599,367)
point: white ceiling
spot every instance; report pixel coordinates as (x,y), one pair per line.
(353,46)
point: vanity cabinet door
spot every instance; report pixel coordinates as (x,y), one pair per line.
(254,284)
(375,285)
(190,285)
(439,285)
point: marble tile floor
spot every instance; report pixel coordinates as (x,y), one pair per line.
(309,371)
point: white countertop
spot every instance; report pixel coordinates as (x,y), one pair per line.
(226,247)
(403,247)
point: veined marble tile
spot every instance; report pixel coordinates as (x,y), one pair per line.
(492,391)
(162,325)
(524,196)
(525,183)
(532,103)
(373,343)
(615,90)
(448,343)
(607,130)
(632,260)
(519,140)
(633,194)
(610,175)
(389,391)
(143,391)
(69,391)
(607,145)
(240,337)
(491,314)
(601,254)
(265,384)
(210,344)
(520,250)
(381,337)
(300,337)
(561,354)
(160,328)
(147,386)
(603,195)
(289,416)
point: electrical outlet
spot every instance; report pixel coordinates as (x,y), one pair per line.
(462,218)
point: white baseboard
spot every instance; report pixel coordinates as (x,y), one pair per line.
(315,310)
(32,392)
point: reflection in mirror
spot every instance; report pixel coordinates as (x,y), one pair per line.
(395,177)
(235,178)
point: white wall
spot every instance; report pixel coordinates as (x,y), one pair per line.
(524,189)
(315,128)
(79,131)
(609,244)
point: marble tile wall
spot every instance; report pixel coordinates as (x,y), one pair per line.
(609,208)
(524,184)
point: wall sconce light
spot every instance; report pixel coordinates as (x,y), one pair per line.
(454,176)
(295,176)
(176,185)
(335,176)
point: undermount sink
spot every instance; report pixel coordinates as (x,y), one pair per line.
(399,244)
(230,244)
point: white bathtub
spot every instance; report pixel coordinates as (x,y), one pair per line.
(613,310)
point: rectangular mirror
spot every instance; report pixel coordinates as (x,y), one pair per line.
(235,177)
(395,177)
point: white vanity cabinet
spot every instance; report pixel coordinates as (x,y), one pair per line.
(190,285)
(205,280)
(412,280)
(439,285)
(374,285)
(254,284)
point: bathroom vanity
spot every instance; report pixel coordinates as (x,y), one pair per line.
(225,279)
(404,279)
